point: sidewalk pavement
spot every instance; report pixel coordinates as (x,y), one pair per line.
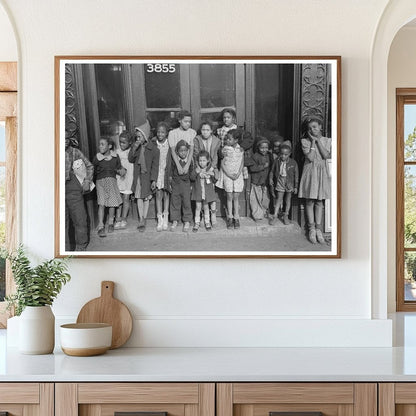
(252,236)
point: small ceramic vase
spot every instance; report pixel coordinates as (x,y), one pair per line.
(37,330)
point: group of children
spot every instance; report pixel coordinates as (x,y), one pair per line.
(179,166)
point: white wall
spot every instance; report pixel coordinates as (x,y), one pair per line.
(401,74)
(8,46)
(203,302)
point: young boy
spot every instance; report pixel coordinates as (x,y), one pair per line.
(74,194)
(180,202)
(284,178)
(183,132)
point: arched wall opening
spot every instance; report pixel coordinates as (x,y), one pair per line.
(383,163)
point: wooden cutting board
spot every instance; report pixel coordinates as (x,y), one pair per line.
(107,309)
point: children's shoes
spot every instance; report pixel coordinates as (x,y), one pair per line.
(142,226)
(117,225)
(101,232)
(165,217)
(159,226)
(196,227)
(186,227)
(229,223)
(319,236)
(213,218)
(123,224)
(208,226)
(110,228)
(312,235)
(272,220)
(236,224)
(174,225)
(285,219)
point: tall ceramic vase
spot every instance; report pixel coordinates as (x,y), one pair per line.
(37,330)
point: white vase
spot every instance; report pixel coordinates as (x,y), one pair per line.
(37,330)
(12,334)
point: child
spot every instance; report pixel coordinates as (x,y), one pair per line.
(284,177)
(107,165)
(183,132)
(125,182)
(228,118)
(203,192)
(315,183)
(74,194)
(259,167)
(181,187)
(144,155)
(276,141)
(207,141)
(231,176)
(162,181)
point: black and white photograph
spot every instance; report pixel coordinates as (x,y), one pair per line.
(198,156)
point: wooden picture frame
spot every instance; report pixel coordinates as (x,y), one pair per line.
(269,98)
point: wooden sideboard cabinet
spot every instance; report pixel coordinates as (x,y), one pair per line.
(105,399)
(27,399)
(332,399)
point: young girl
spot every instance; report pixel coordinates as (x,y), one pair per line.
(181,188)
(231,176)
(203,192)
(107,165)
(162,182)
(207,141)
(228,118)
(284,177)
(144,155)
(315,183)
(259,166)
(125,182)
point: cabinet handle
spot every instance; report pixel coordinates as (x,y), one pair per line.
(295,414)
(138,414)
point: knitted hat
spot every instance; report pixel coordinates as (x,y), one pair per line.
(261,140)
(144,129)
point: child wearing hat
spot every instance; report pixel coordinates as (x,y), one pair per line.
(259,167)
(75,189)
(144,154)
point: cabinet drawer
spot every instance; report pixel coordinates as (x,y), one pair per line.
(270,399)
(107,399)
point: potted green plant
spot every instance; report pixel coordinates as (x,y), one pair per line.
(36,289)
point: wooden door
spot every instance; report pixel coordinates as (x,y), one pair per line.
(27,399)
(397,399)
(308,399)
(153,399)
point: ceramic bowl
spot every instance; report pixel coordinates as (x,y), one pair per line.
(83,340)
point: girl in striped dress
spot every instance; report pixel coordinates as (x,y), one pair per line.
(107,165)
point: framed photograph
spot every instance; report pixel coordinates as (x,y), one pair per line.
(198,156)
